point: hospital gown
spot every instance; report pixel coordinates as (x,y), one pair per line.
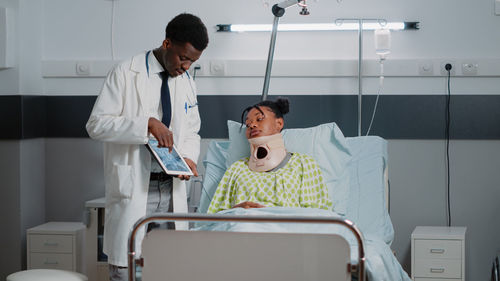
(298,184)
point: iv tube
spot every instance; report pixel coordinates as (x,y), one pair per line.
(382,49)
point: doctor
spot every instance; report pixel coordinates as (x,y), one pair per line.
(149,94)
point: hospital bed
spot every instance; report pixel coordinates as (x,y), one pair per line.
(318,245)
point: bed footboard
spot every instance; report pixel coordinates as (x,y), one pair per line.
(242,255)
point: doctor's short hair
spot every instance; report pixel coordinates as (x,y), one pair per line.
(188,28)
(279,107)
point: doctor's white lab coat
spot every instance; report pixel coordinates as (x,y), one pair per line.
(119,119)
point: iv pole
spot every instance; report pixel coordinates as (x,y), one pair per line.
(382,23)
(278,11)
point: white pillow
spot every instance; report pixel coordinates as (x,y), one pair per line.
(325,143)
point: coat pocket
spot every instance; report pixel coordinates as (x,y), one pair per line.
(121,181)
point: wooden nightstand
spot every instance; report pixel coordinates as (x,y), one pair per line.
(438,253)
(56,245)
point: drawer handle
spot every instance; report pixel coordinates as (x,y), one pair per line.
(51,244)
(437,251)
(51,263)
(437,270)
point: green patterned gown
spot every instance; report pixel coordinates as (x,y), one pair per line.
(298,184)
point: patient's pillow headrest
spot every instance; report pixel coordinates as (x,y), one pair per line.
(325,143)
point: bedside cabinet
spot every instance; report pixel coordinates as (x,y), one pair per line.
(56,245)
(438,253)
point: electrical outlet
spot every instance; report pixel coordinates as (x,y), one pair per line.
(443,69)
(83,68)
(469,68)
(426,68)
(197,67)
(217,68)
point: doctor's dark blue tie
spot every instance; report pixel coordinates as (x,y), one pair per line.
(165,99)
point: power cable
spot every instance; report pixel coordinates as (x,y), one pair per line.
(447,136)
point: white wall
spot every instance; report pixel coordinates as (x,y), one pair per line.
(457,31)
(10,170)
(9,76)
(22,193)
(73,175)
(417,173)
(450,28)
(32,191)
(25,75)
(31,36)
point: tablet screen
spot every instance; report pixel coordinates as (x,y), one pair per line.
(171,162)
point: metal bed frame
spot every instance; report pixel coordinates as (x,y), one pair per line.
(358,269)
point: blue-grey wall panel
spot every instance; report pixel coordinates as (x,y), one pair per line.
(305,111)
(34,121)
(10,117)
(397,116)
(475,117)
(67,115)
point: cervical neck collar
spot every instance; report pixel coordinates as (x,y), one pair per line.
(266,153)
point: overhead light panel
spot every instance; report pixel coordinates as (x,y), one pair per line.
(346,26)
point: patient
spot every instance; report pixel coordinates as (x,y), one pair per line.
(271,176)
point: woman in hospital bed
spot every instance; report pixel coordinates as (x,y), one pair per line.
(271,176)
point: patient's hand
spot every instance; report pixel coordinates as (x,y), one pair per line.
(248,205)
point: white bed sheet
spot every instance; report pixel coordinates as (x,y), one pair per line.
(380,262)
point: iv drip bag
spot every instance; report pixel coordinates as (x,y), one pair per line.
(382,42)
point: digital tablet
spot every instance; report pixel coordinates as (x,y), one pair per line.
(171,162)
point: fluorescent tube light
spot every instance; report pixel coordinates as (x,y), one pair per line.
(316,26)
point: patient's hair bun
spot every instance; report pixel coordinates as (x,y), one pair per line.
(279,107)
(283,105)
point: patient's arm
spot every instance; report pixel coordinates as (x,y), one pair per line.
(222,198)
(248,205)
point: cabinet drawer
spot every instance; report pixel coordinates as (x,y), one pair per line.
(41,243)
(438,249)
(51,261)
(438,268)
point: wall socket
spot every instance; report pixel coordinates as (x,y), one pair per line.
(83,68)
(469,68)
(217,68)
(426,68)
(197,67)
(444,71)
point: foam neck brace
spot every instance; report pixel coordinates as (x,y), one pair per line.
(266,153)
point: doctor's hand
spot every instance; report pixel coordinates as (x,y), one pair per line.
(163,135)
(192,166)
(248,205)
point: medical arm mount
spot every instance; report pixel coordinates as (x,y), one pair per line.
(278,11)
